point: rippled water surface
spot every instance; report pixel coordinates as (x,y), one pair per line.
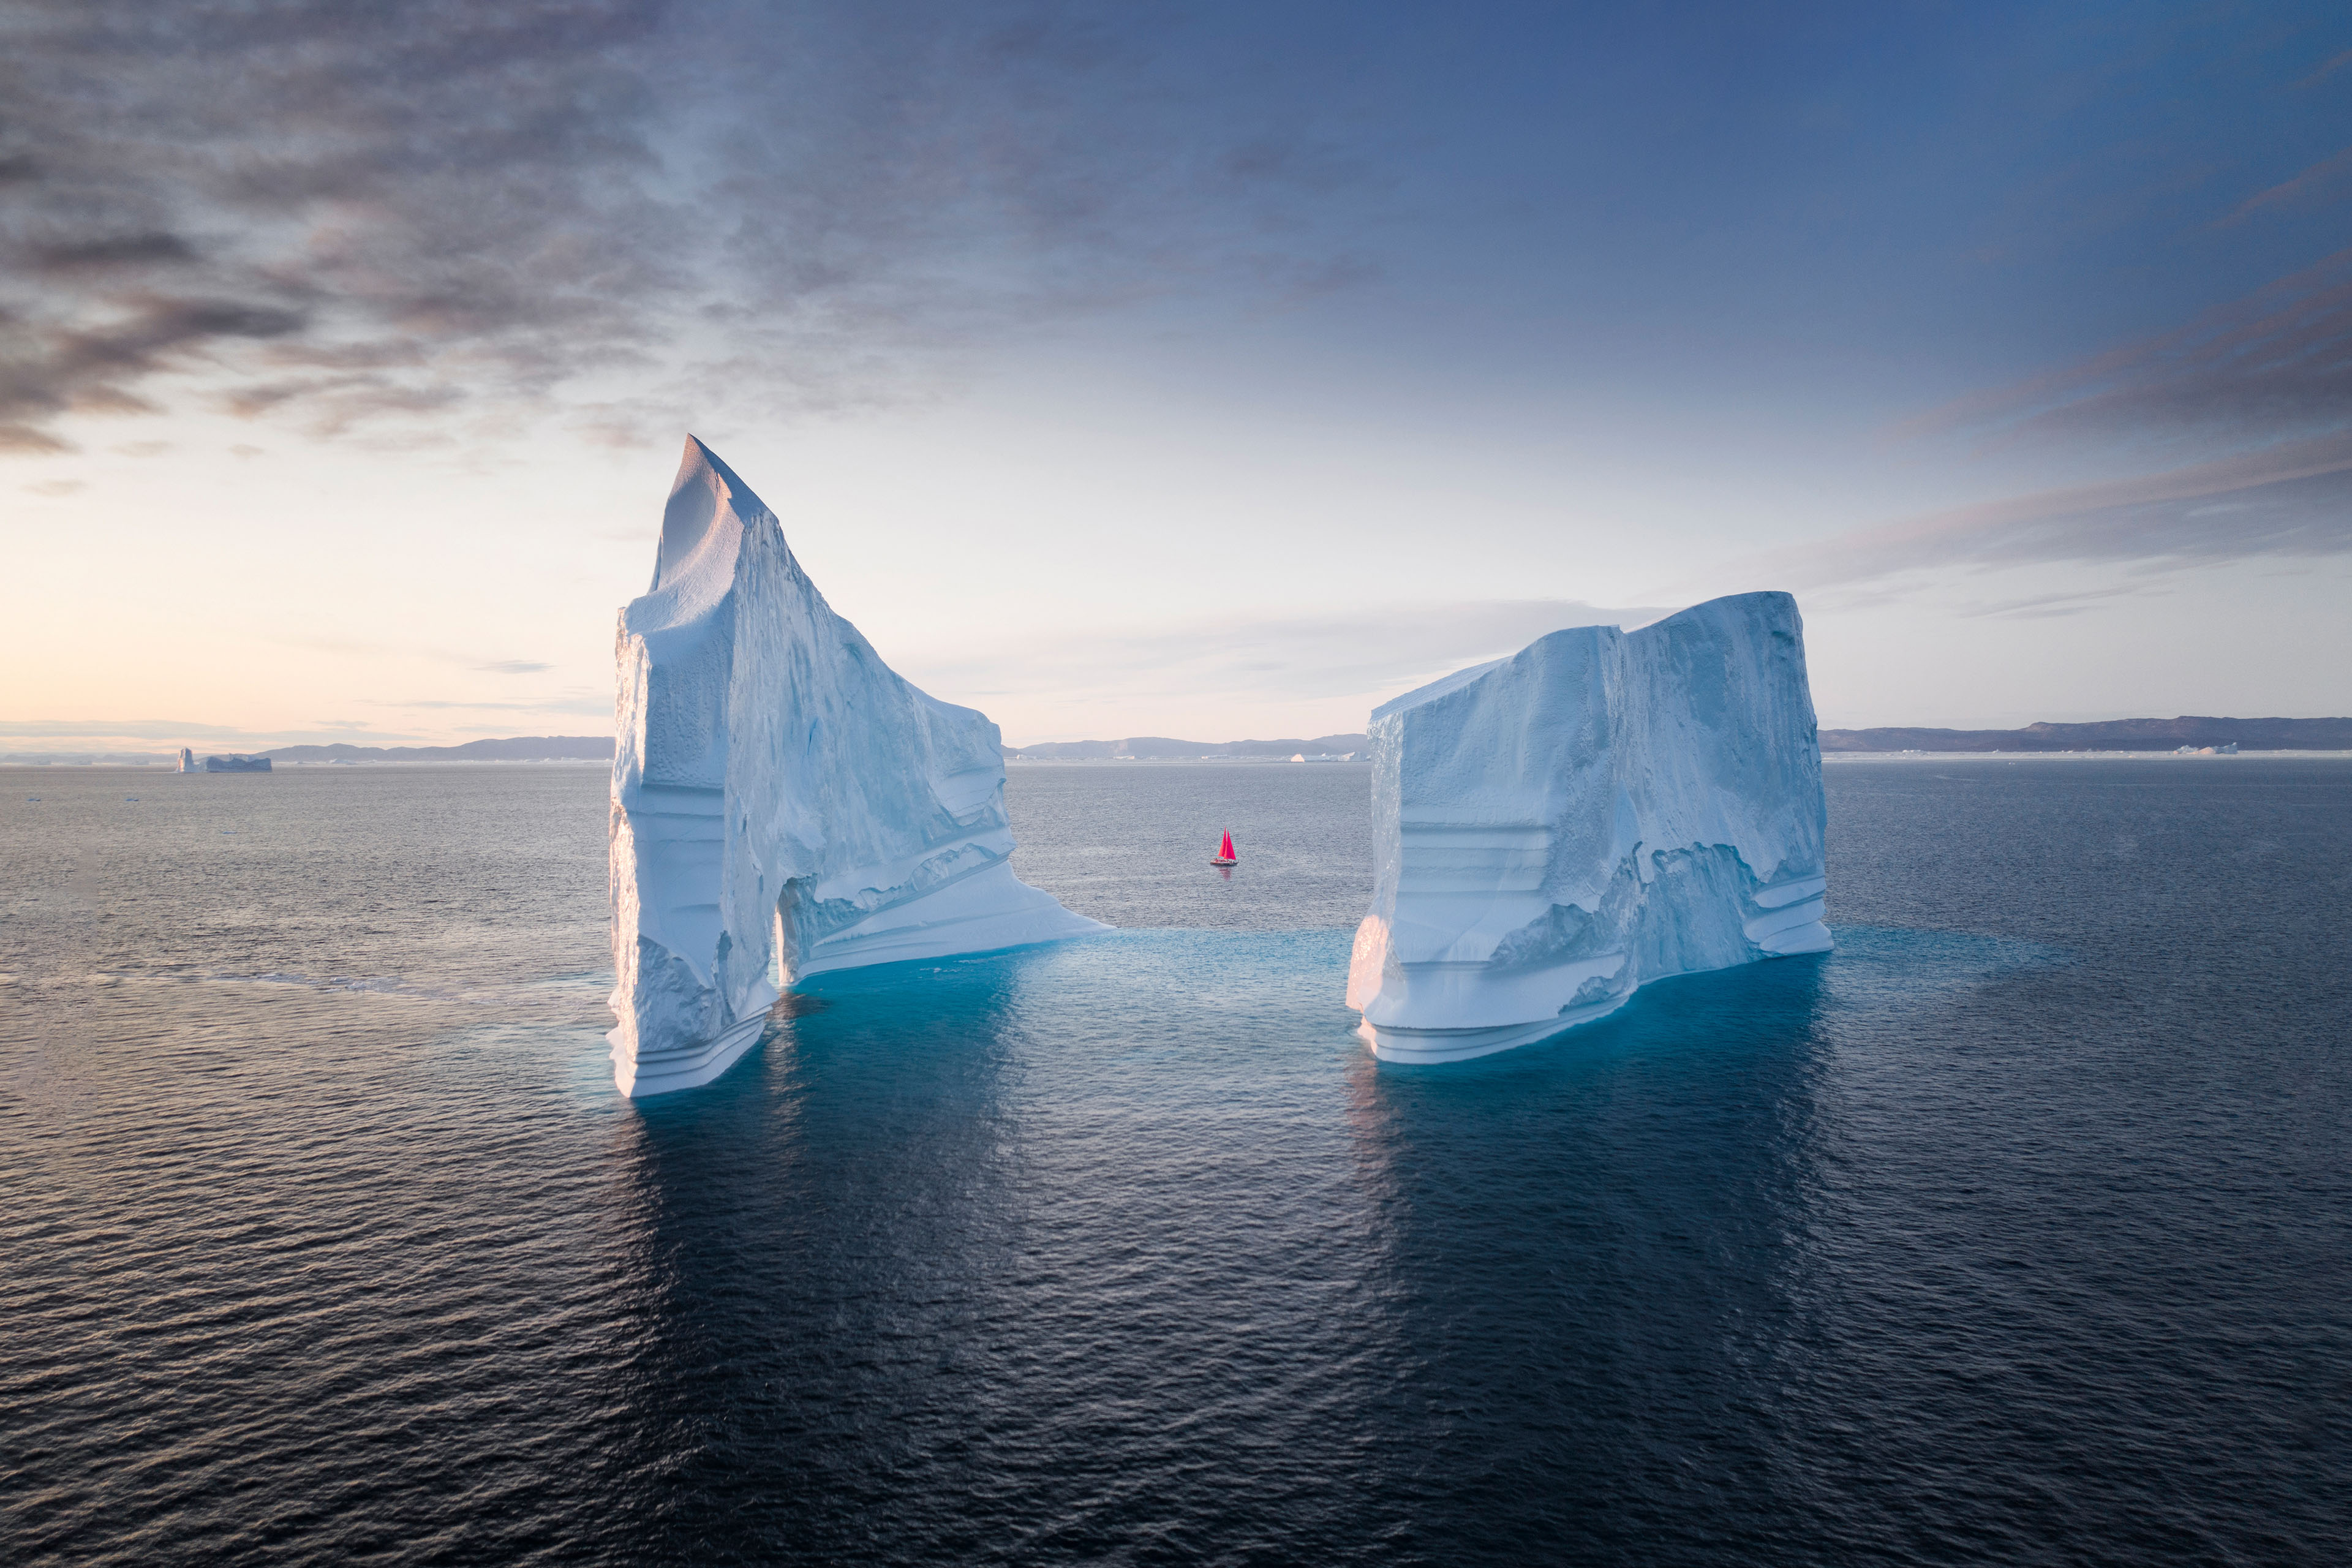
(2017,1230)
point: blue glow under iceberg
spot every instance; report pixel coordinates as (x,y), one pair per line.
(783,803)
(1600,809)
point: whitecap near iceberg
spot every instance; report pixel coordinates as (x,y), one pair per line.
(783,803)
(1600,809)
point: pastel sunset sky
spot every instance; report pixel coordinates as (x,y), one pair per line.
(1199,370)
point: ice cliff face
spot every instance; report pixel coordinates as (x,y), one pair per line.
(1600,809)
(783,803)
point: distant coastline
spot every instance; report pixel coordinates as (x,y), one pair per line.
(2112,735)
(1162,749)
(2109,735)
(518,749)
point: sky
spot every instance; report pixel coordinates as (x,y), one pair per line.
(1203,370)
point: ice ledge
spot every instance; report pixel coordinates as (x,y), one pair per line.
(1405,1043)
(641,1073)
(982,912)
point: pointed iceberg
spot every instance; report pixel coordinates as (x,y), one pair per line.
(1600,809)
(783,803)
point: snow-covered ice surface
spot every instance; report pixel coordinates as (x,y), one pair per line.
(1600,809)
(783,803)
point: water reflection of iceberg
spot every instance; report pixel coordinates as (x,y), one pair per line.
(1062,1246)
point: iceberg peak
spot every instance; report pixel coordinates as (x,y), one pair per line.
(705,488)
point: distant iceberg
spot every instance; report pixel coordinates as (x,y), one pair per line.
(188,763)
(1600,809)
(783,803)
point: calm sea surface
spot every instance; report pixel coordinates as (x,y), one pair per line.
(2017,1230)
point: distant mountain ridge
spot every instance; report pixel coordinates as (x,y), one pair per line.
(518,749)
(1159,748)
(598,747)
(2106,735)
(2109,735)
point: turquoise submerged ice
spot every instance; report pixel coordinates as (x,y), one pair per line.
(1600,809)
(783,803)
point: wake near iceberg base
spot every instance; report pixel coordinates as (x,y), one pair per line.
(1601,809)
(784,803)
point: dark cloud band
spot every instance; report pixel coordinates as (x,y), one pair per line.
(2290,500)
(354,213)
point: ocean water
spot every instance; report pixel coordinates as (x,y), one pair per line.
(2017,1230)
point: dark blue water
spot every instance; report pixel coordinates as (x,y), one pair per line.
(2017,1230)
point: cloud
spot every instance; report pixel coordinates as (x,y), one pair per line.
(2043,607)
(139,734)
(2275,363)
(357,648)
(441,216)
(96,368)
(2327,67)
(2258,392)
(21,437)
(70,728)
(559,705)
(2312,182)
(2294,500)
(1383,649)
(115,251)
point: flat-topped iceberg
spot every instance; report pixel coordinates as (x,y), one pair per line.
(237,763)
(783,803)
(1600,809)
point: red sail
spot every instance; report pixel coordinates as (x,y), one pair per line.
(1226,850)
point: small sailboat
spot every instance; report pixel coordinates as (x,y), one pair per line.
(1225,851)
